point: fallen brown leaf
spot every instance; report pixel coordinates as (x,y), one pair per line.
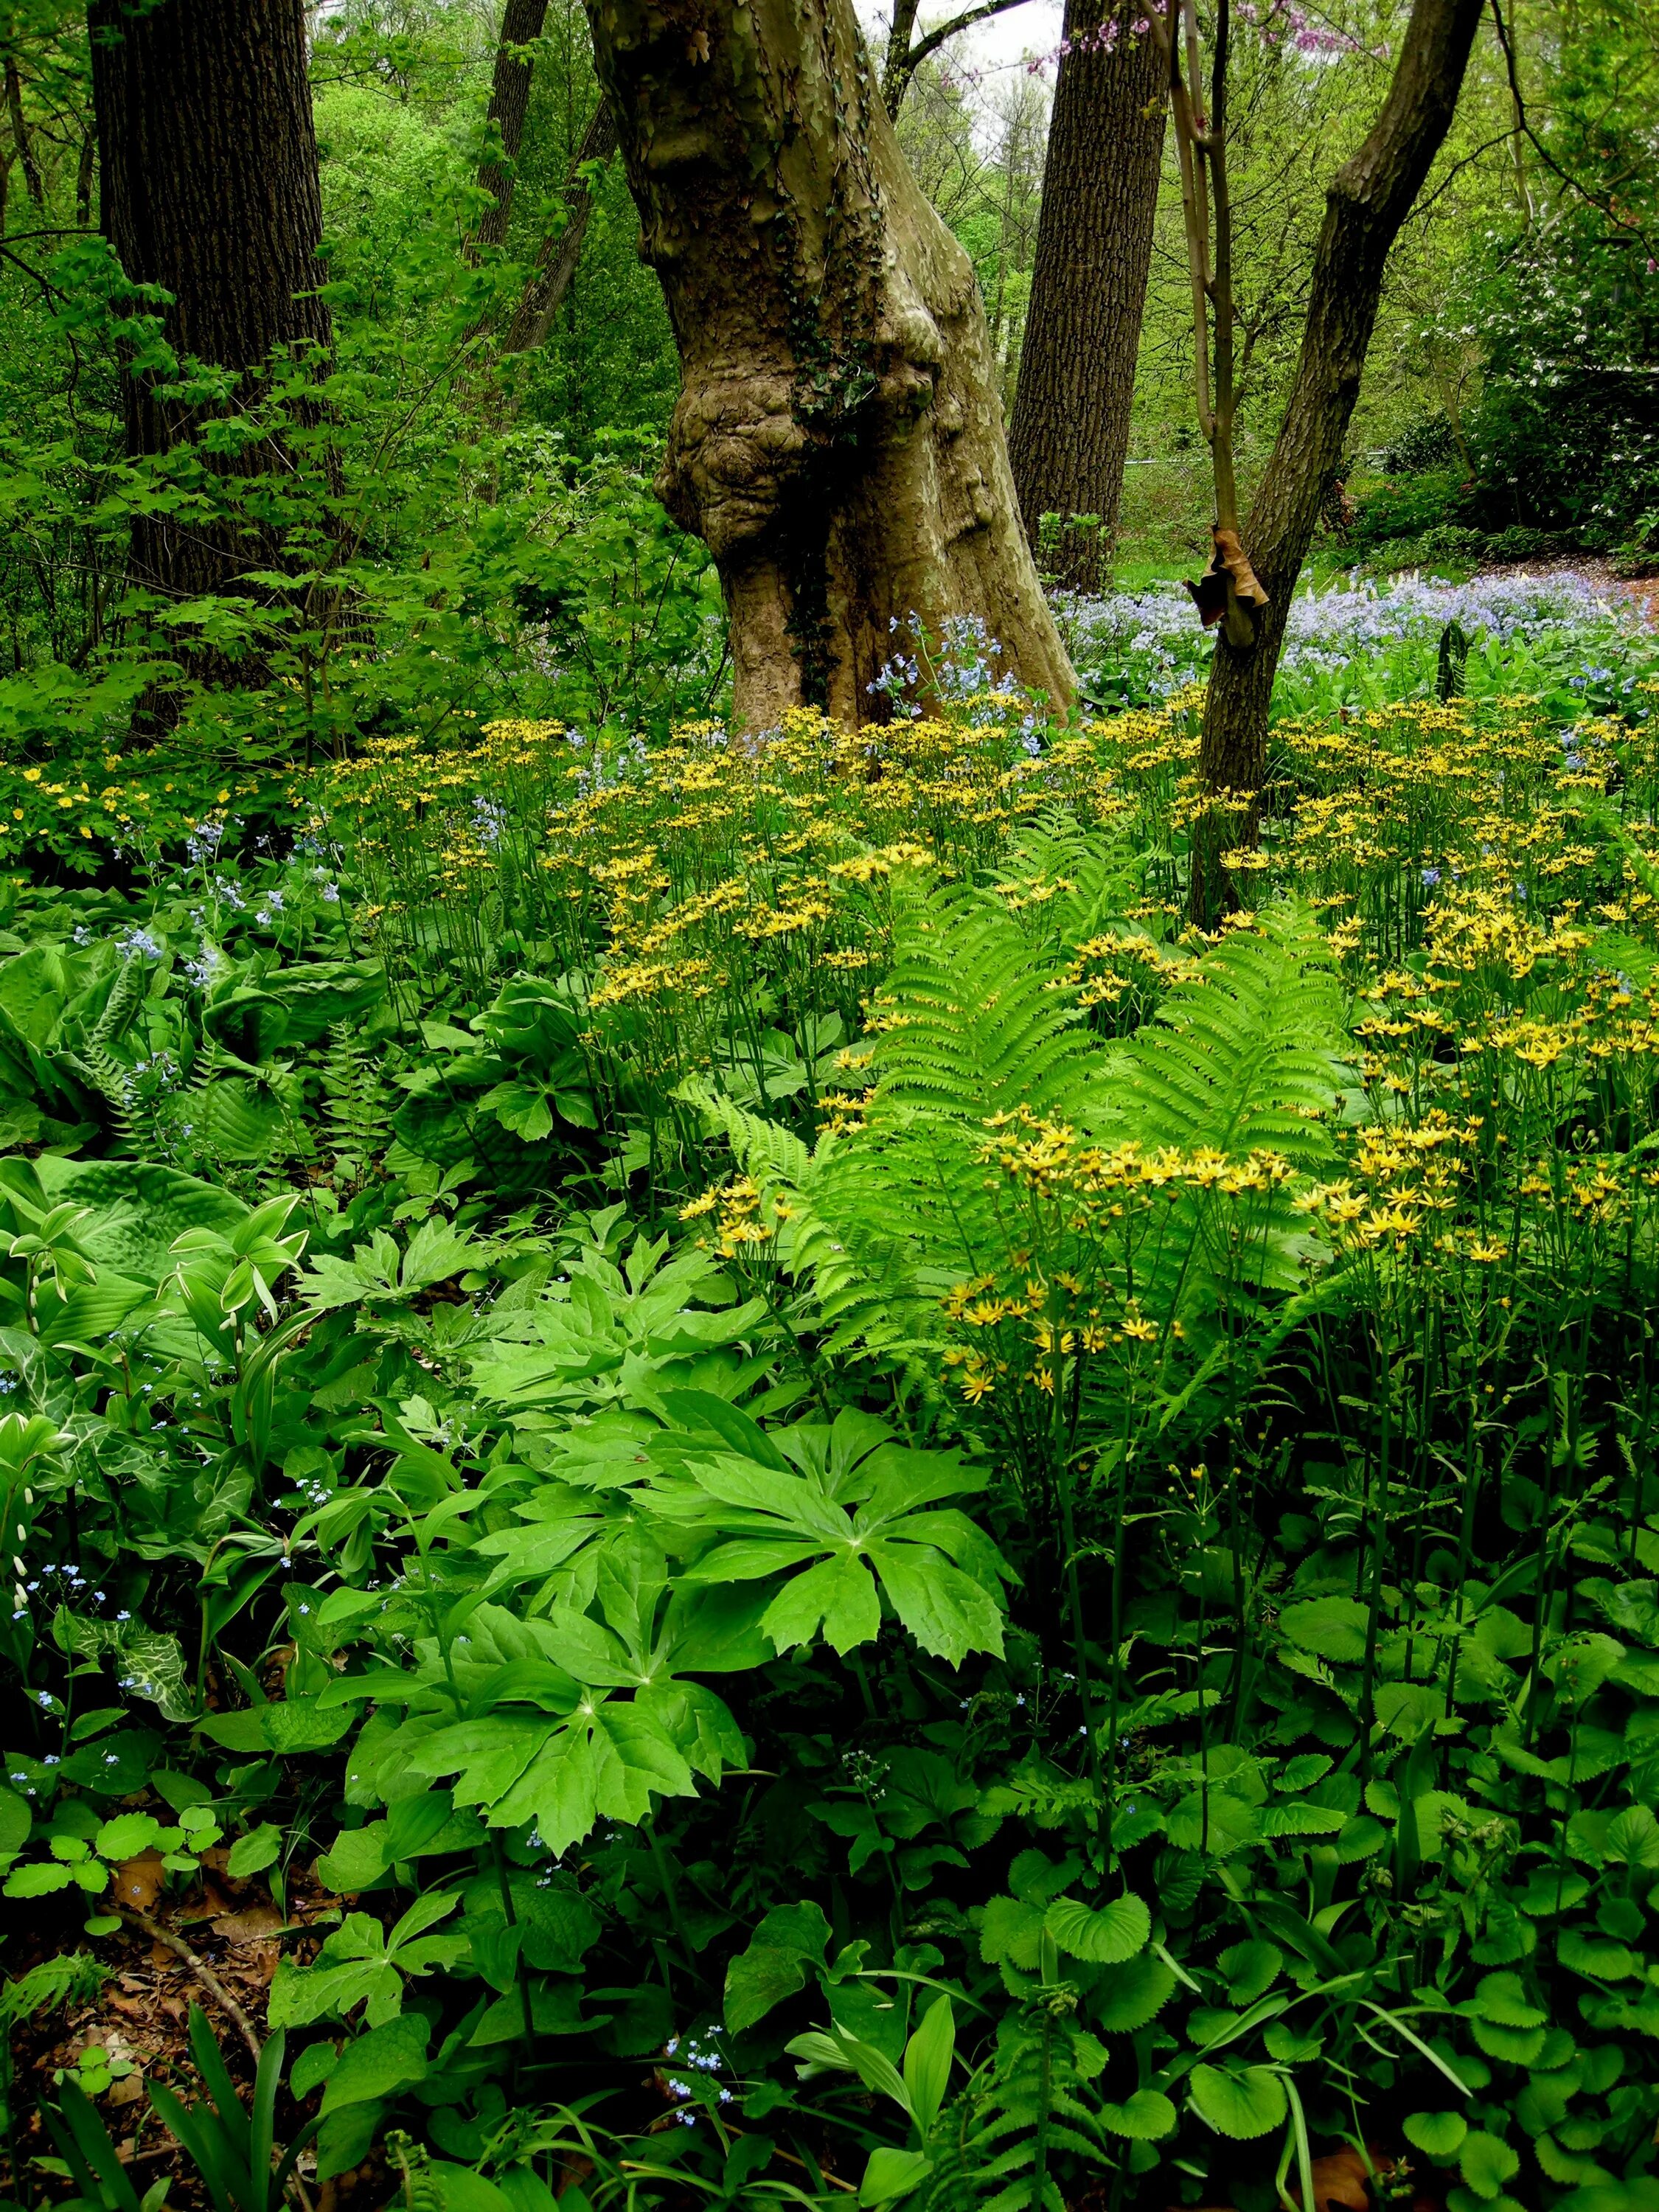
(249,1926)
(138,1881)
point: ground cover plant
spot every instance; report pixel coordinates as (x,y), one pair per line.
(1353,641)
(829,1507)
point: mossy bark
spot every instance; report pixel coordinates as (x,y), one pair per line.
(838,441)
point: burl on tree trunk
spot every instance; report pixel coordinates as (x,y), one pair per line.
(837,443)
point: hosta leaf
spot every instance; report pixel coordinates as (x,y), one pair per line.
(1105,1937)
(1244,2103)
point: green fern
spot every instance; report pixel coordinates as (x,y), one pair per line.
(971,1023)
(993,2148)
(355,1106)
(1246,1058)
(1095,879)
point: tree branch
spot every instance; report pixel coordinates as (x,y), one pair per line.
(896,78)
(1603,207)
(137,1917)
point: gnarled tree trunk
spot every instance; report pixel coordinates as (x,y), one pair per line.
(837,443)
(208,186)
(1070,434)
(1369,199)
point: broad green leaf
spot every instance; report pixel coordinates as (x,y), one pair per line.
(1132,1995)
(125,1836)
(759,1979)
(1146,2117)
(379,2063)
(1487,2162)
(1105,1937)
(1330,1627)
(1248,2102)
(1437,2134)
(252,1853)
(890,2174)
(1251,1969)
(37,1880)
(928,2058)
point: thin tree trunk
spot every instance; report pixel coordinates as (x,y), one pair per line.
(210,188)
(1369,199)
(556,264)
(1069,438)
(83,175)
(837,442)
(509,103)
(21,136)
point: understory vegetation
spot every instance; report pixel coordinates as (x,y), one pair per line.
(827,1506)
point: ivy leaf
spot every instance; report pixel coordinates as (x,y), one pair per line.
(1248,2102)
(1103,1938)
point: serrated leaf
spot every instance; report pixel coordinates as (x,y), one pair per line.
(1330,1627)
(1105,1937)
(1146,2117)
(1487,2162)
(1244,2103)
(1437,2134)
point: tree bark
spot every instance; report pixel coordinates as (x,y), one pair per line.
(209,187)
(1070,435)
(557,265)
(509,104)
(837,442)
(21,136)
(1369,200)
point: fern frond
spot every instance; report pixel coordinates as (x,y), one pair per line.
(971,1023)
(1246,1058)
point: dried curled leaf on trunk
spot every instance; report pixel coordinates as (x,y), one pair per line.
(1228,565)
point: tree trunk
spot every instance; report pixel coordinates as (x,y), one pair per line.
(21,136)
(509,103)
(550,280)
(208,165)
(1070,434)
(837,443)
(1369,199)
